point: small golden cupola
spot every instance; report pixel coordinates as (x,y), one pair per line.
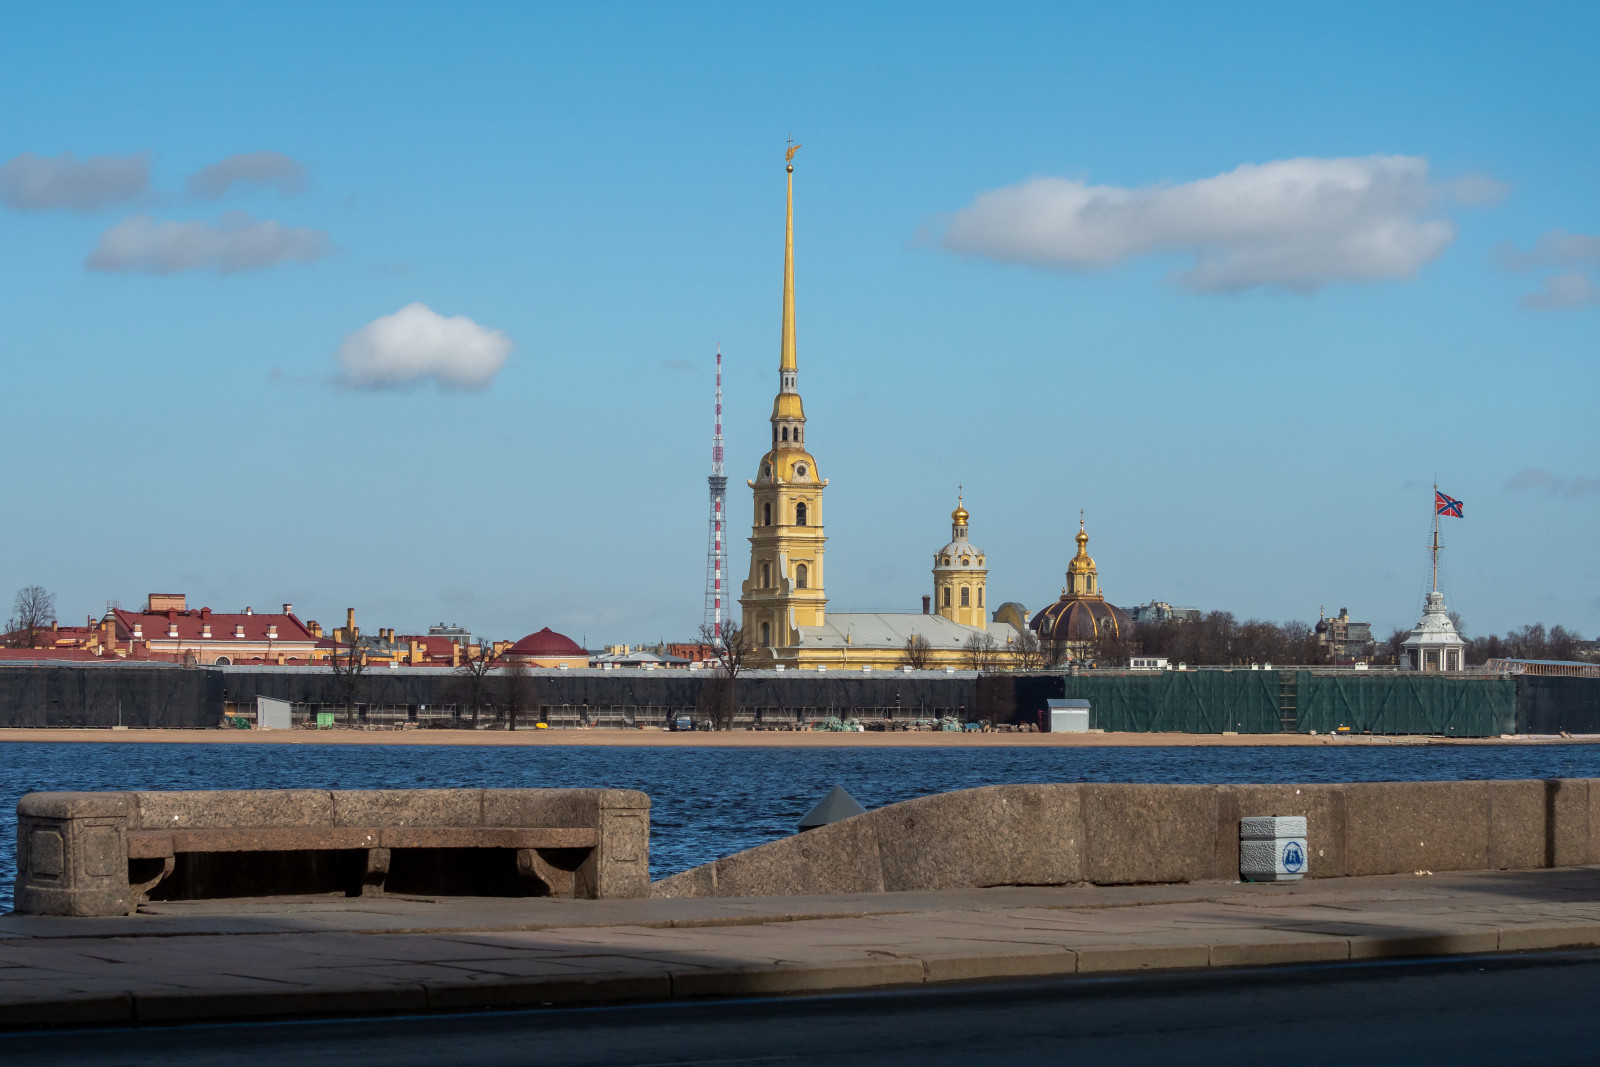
(1083,578)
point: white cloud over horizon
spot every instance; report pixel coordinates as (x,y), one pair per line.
(272,169)
(416,343)
(1298,224)
(237,242)
(30,182)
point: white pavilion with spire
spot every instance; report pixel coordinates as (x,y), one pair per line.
(1434,645)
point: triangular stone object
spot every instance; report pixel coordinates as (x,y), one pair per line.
(835,806)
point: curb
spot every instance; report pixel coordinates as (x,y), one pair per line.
(90,1008)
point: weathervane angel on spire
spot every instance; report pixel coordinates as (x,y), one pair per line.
(788,157)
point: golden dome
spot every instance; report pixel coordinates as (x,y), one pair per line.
(959,516)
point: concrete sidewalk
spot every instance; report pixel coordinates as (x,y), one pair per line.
(293,956)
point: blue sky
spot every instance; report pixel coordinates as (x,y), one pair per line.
(1028,262)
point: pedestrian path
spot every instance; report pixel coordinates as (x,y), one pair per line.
(296,956)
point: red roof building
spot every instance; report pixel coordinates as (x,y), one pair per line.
(168,629)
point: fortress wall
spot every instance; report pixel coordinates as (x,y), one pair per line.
(179,697)
(1208,701)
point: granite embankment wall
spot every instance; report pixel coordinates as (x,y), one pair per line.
(1200,701)
(1146,834)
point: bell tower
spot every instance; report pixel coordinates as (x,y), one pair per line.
(960,572)
(784,590)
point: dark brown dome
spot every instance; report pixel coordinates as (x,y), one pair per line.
(1080,618)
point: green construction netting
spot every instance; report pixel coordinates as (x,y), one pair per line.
(1195,702)
(1405,703)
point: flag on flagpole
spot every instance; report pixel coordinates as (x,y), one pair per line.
(1443,505)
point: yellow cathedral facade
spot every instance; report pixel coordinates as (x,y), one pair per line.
(784,600)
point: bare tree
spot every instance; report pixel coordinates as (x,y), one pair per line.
(474,676)
(516,689)
(917,652)
(1027,654)
(1113,646)
(33,610)
(980,652)
(348,666)
(1391,650)
(730,649)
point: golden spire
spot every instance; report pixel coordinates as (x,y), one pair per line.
(786,407)
(787,361)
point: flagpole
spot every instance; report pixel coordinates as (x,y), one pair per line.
(1435,537)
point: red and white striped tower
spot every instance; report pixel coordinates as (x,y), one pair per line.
(716,545)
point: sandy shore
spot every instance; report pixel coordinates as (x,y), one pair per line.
(733,739)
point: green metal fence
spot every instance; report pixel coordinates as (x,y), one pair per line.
(1405,703)
(1194,702)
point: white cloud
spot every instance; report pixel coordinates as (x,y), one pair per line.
(1295,223)
(1566,291)
(1573,255)
(417,342)
(236,243)
(1556,248)
(42,183)
(250,168)
(1535,478)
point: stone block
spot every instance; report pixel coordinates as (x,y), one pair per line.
(231,809)
(1516,825)
(1322,806)
(696,882)
(75,806)
(796,978)
(544,807)
(976,838)
(72,854)
(1567,822)
(1594,821)
(407,807)
(1443,943)
(1396,827)
(1274,950)
(1034,961)
(1543,937)
(841,857)
(1136,957)
(1149,833)
(620,865)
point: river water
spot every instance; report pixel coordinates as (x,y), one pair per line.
(708,802)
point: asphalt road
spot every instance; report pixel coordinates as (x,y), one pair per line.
(1541,1009)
